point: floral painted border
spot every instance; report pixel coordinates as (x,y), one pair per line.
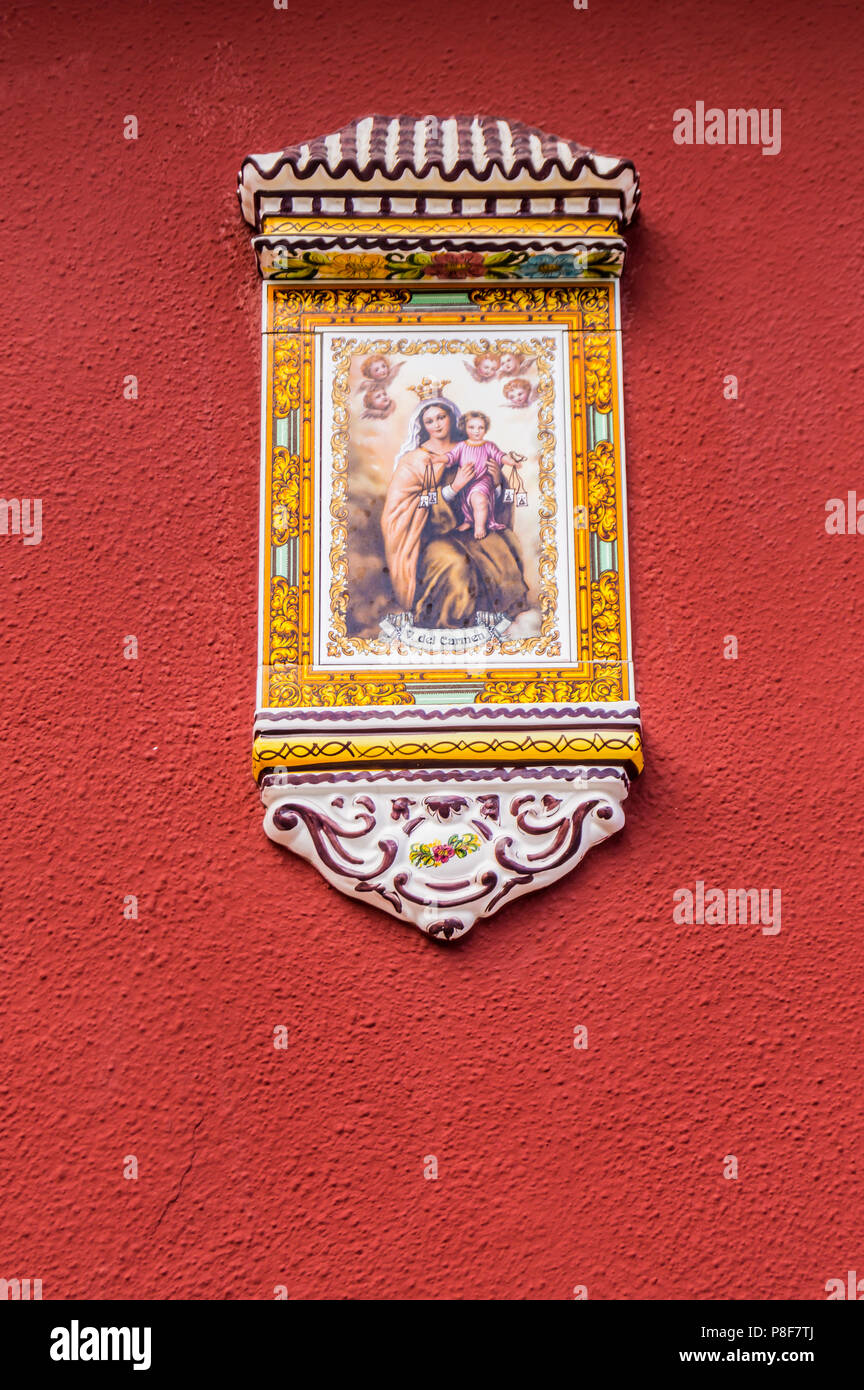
(282,261)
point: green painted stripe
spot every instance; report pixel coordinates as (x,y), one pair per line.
(602,424)
(463,693)
(607,555)
(292,551)
(442,297)
(282,430)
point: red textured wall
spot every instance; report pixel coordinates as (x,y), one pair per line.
(154,1037)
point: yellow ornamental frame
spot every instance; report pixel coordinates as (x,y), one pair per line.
(289,677)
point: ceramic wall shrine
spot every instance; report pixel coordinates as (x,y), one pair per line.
(446,713)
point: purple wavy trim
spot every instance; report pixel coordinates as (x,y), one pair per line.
(377,169)
(429,774)
(486,713)
(438,242)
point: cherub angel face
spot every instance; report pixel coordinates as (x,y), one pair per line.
(518,393)
(510,362)
(377,368)
(487,364)
(377,398)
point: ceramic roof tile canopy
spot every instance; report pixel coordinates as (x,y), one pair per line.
(460,156)
(446,715)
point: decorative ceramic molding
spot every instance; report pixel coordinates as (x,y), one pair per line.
(441,259)
(548,208)
(473,158)
(446,715)
(439,848)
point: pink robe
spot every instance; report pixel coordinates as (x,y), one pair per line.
(479,455)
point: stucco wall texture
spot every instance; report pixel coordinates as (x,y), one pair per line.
(304,1167)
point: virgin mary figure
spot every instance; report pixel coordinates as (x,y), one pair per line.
(441,576)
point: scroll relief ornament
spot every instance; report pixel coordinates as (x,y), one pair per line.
(442,858)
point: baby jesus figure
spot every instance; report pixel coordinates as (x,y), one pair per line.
(478,496)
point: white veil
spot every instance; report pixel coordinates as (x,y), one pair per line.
(414,426)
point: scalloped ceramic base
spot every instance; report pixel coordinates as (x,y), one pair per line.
(441,848)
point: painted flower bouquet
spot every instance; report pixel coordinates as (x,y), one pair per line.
(431,856)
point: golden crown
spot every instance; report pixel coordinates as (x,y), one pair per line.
(427,389)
